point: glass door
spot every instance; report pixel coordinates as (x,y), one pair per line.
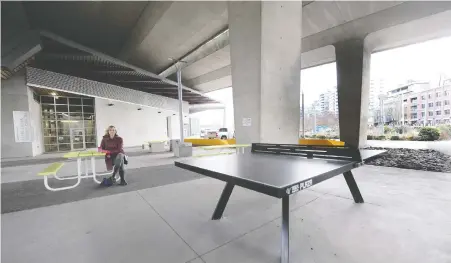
(77,139)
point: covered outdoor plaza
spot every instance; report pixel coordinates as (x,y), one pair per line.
(70,69)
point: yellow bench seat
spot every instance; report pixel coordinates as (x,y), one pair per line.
(51,169)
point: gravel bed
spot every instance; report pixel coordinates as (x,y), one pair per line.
(426,160)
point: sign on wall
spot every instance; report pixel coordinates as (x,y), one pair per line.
(22,126)
(247,122)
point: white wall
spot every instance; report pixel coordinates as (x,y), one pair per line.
(174,126)
(134,126)
(14,97)
(36,124)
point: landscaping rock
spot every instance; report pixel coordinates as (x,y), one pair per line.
(426,160)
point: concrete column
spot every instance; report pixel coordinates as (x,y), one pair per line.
(265,47)
(14,97)
(353,77)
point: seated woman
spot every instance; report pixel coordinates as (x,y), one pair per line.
(113,145)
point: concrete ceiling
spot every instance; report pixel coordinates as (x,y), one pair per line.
(387,24)
(147,34)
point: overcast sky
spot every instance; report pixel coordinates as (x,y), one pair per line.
(421,62)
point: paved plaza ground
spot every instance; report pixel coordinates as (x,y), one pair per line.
(163,215)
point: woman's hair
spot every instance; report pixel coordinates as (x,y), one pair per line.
(110,127)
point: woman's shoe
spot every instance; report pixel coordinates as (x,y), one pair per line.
(123,183)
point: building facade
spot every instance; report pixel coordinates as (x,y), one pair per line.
(45,112)
(418,104)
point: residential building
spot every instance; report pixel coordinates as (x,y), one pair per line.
(418,104)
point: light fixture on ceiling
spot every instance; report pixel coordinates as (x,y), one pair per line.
(140,108)
(110,103)
(159,112)
(53,93)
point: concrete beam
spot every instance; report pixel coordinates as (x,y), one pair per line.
(360,28)
(146,22)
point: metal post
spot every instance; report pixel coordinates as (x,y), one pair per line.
(224,119)
(314,121)
(285,230)
(179,84)
(303,117)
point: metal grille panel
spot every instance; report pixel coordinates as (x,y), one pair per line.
(47,79)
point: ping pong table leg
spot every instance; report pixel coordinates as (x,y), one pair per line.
(285,234)
(353,187)
(223,201)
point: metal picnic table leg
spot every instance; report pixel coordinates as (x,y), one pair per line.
(93,166)
(353,187)
(46,182)
(285,230)
(223,201)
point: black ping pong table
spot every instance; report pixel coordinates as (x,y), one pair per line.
(280,170)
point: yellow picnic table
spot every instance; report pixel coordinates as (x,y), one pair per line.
(80,156)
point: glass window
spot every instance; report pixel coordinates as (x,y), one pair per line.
(73,108)
(47,108)
(423,106)
(431,113)
(61,108)
(88,101)
(76,116)
(422,114)
(446,92)
(50,140)
(438,112)
(423,97)
(429,96)
(90,139)
(60,100)
(62,116)
(75,101)
(51,148)
(446,102)
(447,112)
(88,116)
(223,130)
(49,125)
(438,103)
(64,147)
(88,109)
(89,124)
(47,100)
(63,139)
(49,132)
(64,131)
(58,120)
(437,94)
(90,131)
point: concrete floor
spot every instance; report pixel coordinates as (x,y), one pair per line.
(406,218)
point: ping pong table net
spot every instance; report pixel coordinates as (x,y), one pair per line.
(310,151)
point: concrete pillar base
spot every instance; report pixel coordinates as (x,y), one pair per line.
(353,78)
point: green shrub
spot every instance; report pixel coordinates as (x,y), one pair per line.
(381,137)
(445,132)
(370,137)
(321,137)
(387,129)
(313,136)
(395,138)
(429,134)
